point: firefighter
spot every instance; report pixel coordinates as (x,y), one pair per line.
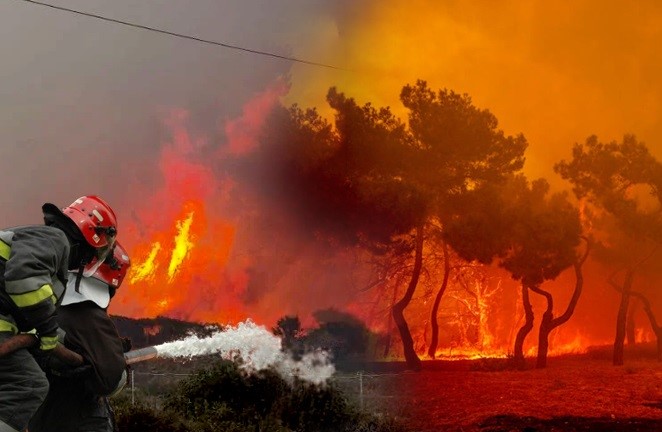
(34,265)
(78,398)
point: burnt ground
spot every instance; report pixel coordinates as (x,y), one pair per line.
(574,393)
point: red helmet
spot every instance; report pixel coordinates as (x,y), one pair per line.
(90,217)
(113,270)
(95,219)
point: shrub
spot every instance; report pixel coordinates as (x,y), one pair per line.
(225,398)
(139,417)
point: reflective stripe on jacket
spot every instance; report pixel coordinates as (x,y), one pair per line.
(7,325)
(33,269)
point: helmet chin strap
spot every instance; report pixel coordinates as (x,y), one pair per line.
(78,254)
(79,276)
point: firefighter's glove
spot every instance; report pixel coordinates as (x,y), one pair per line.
(54,366)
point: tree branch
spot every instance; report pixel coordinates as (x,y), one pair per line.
(546,294)
(649,311)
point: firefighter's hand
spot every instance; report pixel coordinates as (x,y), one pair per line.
(56,366)
(67,356)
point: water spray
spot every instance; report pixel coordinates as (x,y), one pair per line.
(253,346)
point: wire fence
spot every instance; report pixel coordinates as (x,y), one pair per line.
(371,392)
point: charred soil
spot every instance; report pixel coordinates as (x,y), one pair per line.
(573,393)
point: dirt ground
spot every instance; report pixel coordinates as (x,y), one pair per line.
(578,393)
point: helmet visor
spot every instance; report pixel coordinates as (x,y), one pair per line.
(103,252)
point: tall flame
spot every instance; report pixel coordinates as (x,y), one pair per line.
(178,270)
(147,268)
(182,246)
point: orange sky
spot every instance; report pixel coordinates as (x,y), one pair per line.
(555,71)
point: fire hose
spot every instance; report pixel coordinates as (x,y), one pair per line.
(24,340)
(16,343)
(140,355)
(21,341)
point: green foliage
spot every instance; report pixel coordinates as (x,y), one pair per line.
(459,145)
(623,179)
(139,417)
(224,398)
(344,183)
(343,335)
(316,408)
(531,233)
(224,390)
(340,333)
(369,177)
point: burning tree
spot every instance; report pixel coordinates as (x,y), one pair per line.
(622,181)
(347,185)
(474,293)
(532,235)
(457,148)
(370,181)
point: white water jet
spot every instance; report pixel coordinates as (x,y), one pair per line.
(256,349)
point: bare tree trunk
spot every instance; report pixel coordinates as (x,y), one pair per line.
(651,317)
(524,330)
(387,345)
(545,328)
(621,319)
(413,362)
(548,322)
(389,332)
(630,327)
(432,350)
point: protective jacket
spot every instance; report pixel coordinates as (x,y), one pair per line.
(77,400)
(78,403)
(33,273)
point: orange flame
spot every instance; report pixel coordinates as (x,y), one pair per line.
(172,274)
(182,246)
(147,268)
